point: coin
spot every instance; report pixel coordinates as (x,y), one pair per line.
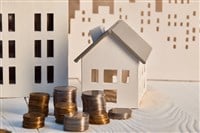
(33,120)
(79,122)
(120,113)
(5,131)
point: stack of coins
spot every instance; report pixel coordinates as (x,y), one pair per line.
(64,94)
(120,113)
(94,103)
(38,102)
(33,120)
(64,108)
(5,131)
(79,122)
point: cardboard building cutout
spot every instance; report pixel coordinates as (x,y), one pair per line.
(115,63)
(33,41)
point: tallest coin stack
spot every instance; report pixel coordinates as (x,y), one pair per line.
(94,103)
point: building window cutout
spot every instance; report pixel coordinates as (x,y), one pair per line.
(103,20)
(11,22)
(37,22)
(142,13)
(1,49)
(193,38)
(174,39)
(50,74)
(1,75)
(125,76)
(141,30)
(168,38)
(0,22)
(95,75)
(83,19)
(194,13)
(50,22)
(174,46)
(12,75)
(89,19)
(110,76)
(50,48)
(11,49)
(38,74)
(83,12)
(193,30)
(186,47)
(38,48)
(110,95)
(142,21)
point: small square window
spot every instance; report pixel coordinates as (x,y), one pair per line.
(37,48)
(50,22)
(38,74)
(37,22)
(0,22)
(95,75)
(1,49)
(1,75)
(11,48)
(12,75)
(11,22)
(110,76)
(50,48)
(50,74)
(125,76)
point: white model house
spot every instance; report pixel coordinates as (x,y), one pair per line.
(115,63)
(33,46)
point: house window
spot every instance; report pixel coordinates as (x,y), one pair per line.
(12,75)
(1,75)
(37,22)
(95,75)
(110,76)
(11,48)
(50,48)
(1,49)
(50,74)
(111,95)
(11,22)
(37,48)
(0,22)
(50,21)
(125,76)
(38,74)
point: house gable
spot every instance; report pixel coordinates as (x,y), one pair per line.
(120,31)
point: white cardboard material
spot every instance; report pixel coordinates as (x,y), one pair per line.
(24,37)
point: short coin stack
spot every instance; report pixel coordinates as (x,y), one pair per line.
(5,131)
(33,120)
(120,113)
(64,94)
(94,103)
(38,102)
(79,122)
(64,108)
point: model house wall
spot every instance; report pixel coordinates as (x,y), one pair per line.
(114,63)
(171,30)
(33,46)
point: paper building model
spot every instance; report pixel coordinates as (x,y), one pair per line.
(115,63)
(33,46)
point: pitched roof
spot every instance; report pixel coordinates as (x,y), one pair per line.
(124,33)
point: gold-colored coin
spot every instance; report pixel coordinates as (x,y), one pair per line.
(33,120)
(120,113)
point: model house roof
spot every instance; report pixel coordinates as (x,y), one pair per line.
(121,31)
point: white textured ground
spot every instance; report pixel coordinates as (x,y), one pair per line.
(166,107)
